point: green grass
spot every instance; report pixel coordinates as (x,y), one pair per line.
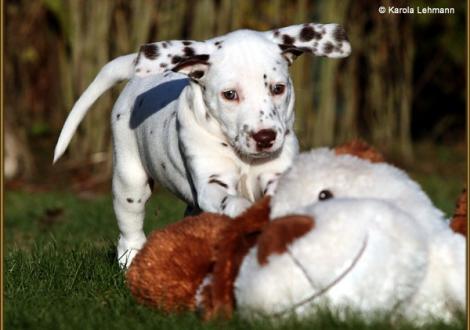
(60,270)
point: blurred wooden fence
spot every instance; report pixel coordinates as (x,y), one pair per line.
(54,48)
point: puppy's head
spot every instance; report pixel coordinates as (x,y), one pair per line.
(248,91)
(244,78)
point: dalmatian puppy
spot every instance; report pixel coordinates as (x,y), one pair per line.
(212,121)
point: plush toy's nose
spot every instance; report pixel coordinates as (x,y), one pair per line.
(280,233)
(264,138)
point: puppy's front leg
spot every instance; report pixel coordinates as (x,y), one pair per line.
(233,205)
(268,182)
(218,193)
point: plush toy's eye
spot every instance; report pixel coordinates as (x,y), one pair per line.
(324,195)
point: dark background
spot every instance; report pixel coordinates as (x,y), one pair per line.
(402,89)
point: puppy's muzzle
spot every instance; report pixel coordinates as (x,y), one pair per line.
(264,138)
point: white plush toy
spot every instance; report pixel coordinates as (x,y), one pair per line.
(342,231)
(375,242)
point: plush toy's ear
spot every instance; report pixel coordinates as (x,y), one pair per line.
(360,149)
(280,233)
(328,40)
(186,56)
(459,220)
(235,242)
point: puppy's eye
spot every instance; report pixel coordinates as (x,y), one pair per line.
(324,195)
(278,89)
(230,95)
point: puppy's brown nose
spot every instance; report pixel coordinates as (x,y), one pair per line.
(264,138)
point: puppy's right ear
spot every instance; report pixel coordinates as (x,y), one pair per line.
(185,56)
(194,67)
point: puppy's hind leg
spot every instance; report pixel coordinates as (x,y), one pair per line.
(131,190)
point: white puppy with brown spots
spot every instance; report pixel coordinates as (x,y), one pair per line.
(211,121)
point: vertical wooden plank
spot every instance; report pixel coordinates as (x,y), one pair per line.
(203,26)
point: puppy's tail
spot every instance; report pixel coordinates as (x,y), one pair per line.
(121,68)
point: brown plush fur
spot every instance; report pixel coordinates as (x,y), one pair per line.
(168,270)
(360,149)
(459,220)
(280,233)
(234,243)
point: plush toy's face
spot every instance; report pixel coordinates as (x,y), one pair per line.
(364,253)
(322,175)
(367,245)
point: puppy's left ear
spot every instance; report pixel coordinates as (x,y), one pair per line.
(328,40)
(360,149)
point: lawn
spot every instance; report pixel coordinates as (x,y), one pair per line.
(60,270)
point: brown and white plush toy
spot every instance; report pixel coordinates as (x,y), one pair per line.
(340,231)
(192,264)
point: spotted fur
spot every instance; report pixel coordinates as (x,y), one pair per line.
(328,40)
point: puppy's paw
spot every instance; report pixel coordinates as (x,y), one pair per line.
(127,250)
(235,205)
